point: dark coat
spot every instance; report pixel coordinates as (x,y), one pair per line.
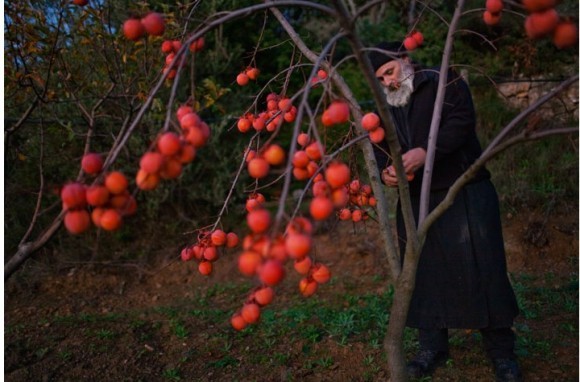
(461,277)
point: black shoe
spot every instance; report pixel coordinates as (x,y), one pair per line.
(425,362)
(507,370)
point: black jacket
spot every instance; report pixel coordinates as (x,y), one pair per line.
(457,143)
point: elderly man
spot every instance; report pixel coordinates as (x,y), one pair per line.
(461,277)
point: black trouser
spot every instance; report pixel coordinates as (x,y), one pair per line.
(498,343)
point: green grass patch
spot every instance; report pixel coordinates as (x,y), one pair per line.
(105,334)
(172,374)
(536,301)
(178,328)
(223,362)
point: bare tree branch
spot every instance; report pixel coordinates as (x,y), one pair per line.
(437,110)
(22,119)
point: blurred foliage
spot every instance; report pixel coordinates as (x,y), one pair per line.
(534,173)
(61,60)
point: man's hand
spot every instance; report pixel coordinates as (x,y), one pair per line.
(389,176)
(412,161)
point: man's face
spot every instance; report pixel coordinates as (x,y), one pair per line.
(389,75)
(397,78)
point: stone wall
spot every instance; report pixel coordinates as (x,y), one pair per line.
(520,94)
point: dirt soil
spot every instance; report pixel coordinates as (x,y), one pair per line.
(121,323)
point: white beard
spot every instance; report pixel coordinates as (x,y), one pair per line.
(401,96)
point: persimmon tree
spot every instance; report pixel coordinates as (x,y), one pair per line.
(150,57)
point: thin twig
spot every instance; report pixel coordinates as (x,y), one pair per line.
(40,187)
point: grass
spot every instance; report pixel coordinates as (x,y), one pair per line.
(172,374)
(105,334)
(364,316)
(65,355)
(324,362)
(372,368)
(178,329)
(223,362)
(537,302)
(40,353)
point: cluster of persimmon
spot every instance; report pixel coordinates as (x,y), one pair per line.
(254,201)
(250,73)
(330,191)
(304,160)
(321,75)
(152,23)
(492,13)
(372,123)
(298,244)
(104,203)
(171,47)
(329,187)
(261,258)
(413,40)
(265,257)
(337,112)
(205,250)
(278,110)
(250,312)
(360,197)
(259,162)
(542,21)
(171,150)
